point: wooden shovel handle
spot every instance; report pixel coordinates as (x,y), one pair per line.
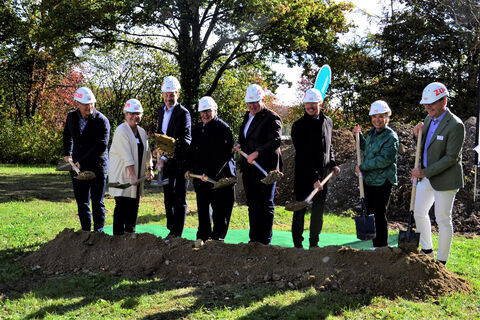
(314,192)
(74,166)
(200,177)
(359,162)
(417,165)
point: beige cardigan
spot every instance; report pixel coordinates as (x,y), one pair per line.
(124,153)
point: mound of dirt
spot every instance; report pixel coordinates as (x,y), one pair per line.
(388,271)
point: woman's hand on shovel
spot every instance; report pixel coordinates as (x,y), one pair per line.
(357,129)
(357,171)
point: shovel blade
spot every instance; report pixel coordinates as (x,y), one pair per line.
(86,175)
(224,182)
(118,185)
(159,183)
(63,166)
(296,205)
(408,240)
(365,226)
(272,177)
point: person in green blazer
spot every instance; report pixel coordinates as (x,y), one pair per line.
(441,173)
(379,167)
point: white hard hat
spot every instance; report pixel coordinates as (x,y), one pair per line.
(84,95)
(254,93)
(170,84)
(433,92)
(206,103)
(133,105)
(379,107)
(312,95)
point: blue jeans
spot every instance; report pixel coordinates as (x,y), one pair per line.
(94,190)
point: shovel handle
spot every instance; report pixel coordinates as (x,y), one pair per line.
(359,162)
(75,168)
(314,192)
(200,177)
(254,162)
(417,165)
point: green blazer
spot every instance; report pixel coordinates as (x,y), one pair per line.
(444,153)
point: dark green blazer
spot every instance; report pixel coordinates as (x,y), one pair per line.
(444,153)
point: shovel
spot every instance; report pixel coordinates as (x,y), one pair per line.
(119,185)
(224,182)
(82,175)
(160,182)
(271,177)
(299,205)
(364,223)
(408,240)
(63,166)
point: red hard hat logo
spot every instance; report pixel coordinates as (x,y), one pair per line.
(439,91)
(78,95)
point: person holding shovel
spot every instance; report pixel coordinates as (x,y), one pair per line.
(441,172)
(130,162)
(260,138)
(211,156)
(174,121)
(85,142)
(314,159)
(379,167)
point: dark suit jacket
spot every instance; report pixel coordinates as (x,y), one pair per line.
(314,156)
(211,151)
(179,127)
(264,135)
(444,153)
(90,147)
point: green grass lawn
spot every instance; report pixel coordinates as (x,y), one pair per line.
(36,203)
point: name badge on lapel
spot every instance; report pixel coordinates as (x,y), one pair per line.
(439,137)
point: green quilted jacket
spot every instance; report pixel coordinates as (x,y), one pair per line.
(380,157)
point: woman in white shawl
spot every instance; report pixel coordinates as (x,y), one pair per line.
(130,160)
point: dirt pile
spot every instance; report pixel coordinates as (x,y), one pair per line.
(388,271)
(343,189)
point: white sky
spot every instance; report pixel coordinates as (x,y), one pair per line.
(373,7)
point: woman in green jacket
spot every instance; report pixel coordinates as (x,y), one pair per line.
(379,167)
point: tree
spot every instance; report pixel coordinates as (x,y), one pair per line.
(224,35)
(38,40)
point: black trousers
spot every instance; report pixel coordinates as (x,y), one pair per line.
(260,206)
(316,219)
(214,205)
(175,199)
(125,215)
(376,202)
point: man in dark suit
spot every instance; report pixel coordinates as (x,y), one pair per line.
(441,173)
(314,159)
(174,121)
(260,138)
(85,141)
(211,156)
